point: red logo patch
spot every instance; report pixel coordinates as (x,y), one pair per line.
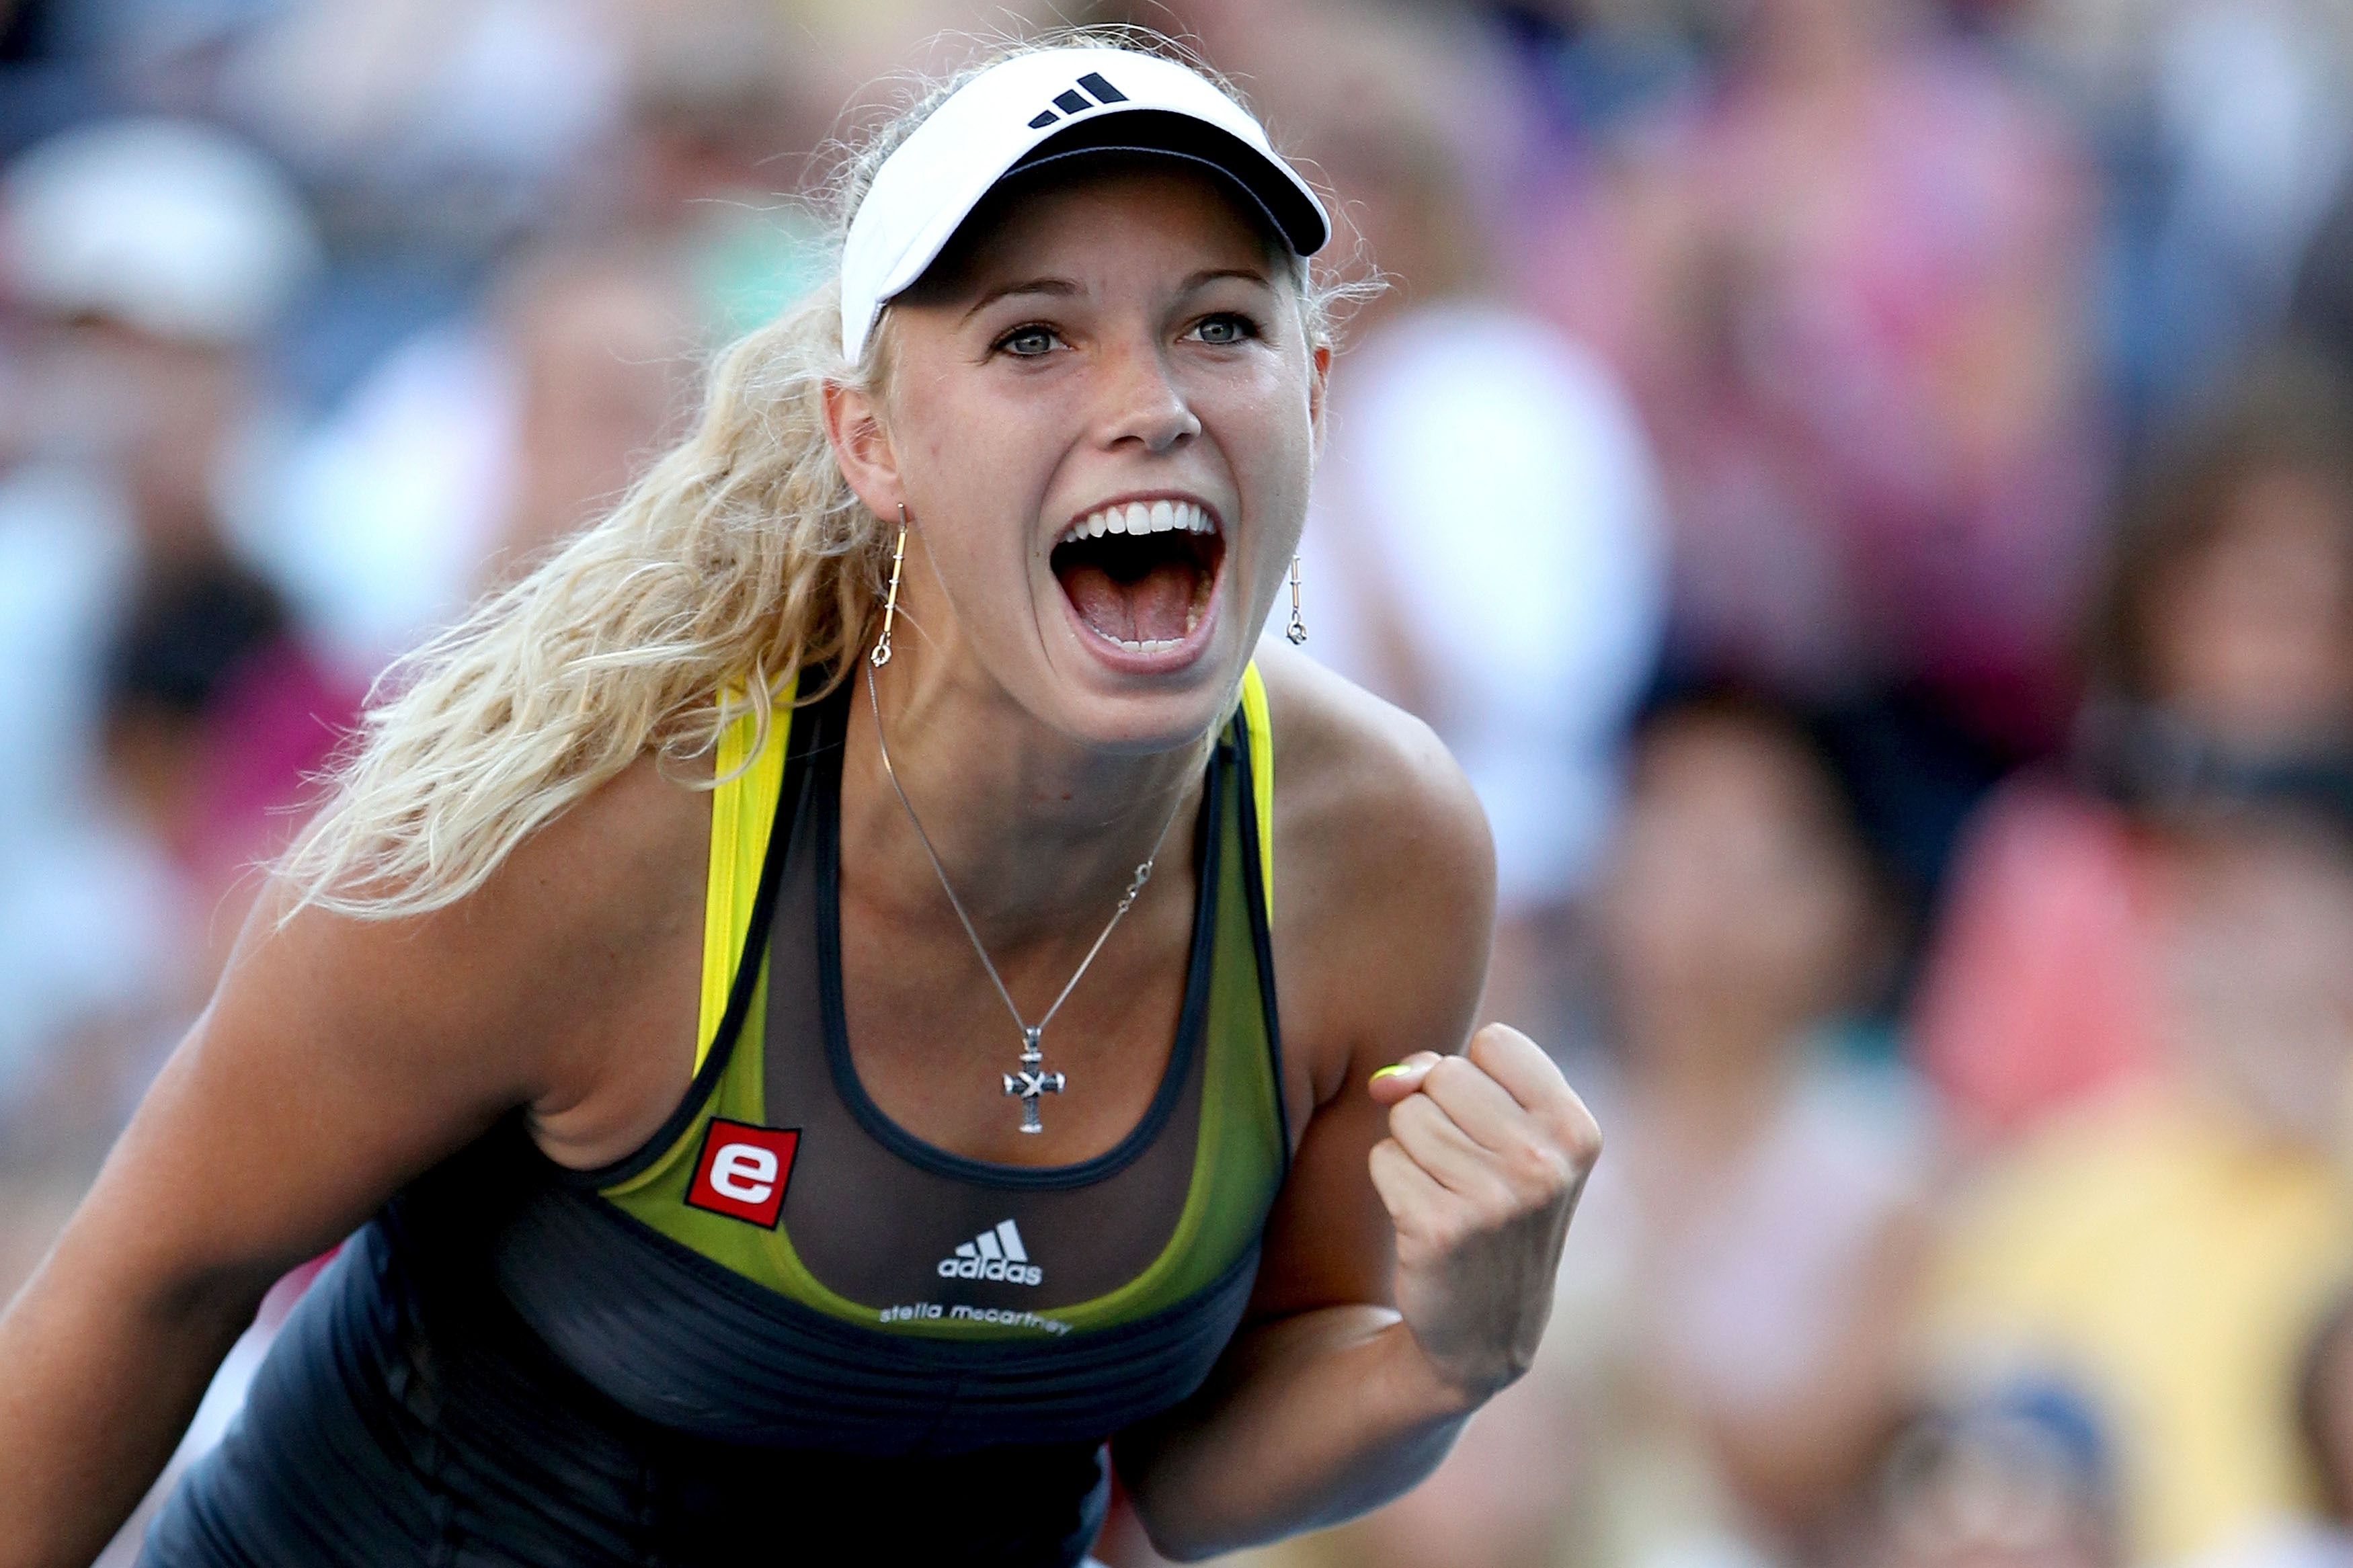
(744,1170)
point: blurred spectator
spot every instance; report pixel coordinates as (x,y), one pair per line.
(1485,546)
(1772,1185)
(2223,127)
(159,226)
(602,343)
(1728,1339)
(722,115)
(1849,276)
(164,707)
(2222,650)
(455,121)
(2172,1251)
(484,440)
(2018,1482)
(434,135)
(476,406)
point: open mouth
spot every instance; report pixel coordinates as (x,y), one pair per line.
(1140,573)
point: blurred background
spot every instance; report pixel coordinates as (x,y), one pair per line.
(1865,487)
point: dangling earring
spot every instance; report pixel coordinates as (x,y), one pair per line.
(881,654)
(1298,632)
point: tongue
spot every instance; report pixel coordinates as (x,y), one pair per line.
(1151,608)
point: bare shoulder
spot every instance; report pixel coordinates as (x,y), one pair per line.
(339,1057)
(583,922)
(1366,793)
(1385,871)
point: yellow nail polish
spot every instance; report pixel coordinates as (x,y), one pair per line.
(1390,1071)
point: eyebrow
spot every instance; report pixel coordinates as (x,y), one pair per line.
(1062,288)
(1247,274)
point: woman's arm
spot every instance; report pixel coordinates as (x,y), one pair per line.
(1409,1264)
(1317,1414)
(338,1059)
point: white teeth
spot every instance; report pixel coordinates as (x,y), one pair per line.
(1138,518)
(1149,645)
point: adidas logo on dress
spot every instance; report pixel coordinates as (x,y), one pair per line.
(1075,101)
(993,1255)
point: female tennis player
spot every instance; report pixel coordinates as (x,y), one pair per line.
(787,992)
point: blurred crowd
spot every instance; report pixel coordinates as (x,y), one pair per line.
(1864,487)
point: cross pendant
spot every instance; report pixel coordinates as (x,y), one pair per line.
(1033,1080)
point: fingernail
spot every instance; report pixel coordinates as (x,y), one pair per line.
(1391,1071)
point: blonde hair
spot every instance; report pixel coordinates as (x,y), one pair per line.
(741,558)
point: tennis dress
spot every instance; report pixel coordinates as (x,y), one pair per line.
(785,1322)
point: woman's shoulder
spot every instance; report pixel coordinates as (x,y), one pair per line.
(602,874)
(1371,775)
(588,933)
(1384,870)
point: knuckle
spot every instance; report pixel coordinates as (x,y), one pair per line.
(1582,1139)
(1448,1071)
(1573,1128)
(1494,1037)
(1539,1170)
(1408,1113)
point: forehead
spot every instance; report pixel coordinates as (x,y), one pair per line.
(1104,218)
(1732,764)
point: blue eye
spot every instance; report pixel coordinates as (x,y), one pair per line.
(1028,342)
(1225,327)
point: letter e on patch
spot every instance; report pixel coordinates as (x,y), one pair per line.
(743,1171)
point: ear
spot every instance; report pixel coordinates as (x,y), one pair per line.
(861,445)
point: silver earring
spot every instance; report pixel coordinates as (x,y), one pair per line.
(1298,631)
(881,654)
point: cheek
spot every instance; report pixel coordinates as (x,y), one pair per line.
(1262,426)
(958,447)
(975,471)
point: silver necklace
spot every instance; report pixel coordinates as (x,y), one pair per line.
(1033,1080)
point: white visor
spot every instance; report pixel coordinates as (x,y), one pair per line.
(1040,108)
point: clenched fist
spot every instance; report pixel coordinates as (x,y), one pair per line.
(1485,1156)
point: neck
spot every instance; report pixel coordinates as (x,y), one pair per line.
(1038,834)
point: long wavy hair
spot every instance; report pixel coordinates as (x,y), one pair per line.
(739,559)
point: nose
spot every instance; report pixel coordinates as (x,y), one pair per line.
(1143,402)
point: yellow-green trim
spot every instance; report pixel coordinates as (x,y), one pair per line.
(1261,760)
(743,814)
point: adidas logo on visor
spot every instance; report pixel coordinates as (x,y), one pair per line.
(993,1255)
(1018,107)
(1075,101)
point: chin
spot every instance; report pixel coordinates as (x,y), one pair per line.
(1107,708)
